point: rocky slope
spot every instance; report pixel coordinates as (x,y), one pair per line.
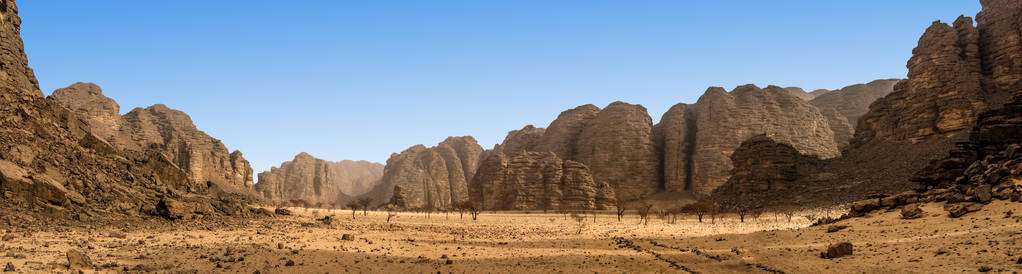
(956,72)
(51,163)
(436,176)
(537,181)
(698,139)
(204,158)
(310,181)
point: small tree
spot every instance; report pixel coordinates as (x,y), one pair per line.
(580,219)
(643,210)
(354,206)
(788,211)
(620,205)
(698,208)
(391,212)
(472,210)
(364,203)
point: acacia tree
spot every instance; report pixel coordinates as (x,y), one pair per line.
(364,203)
(701,208)
(580,219)
(787,210)
(354,206)
(643,210)
(620,205)
(472,209)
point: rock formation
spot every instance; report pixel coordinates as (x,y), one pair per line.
(698,139)
(764,167)
(561,136)
(537,181)
(525,139)
(436,176)
(317,182)
(204,158)
(845,106)
(52,162)
(617,146)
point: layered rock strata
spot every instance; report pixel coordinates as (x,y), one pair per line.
(537,181)
(434,177)
(172,132)
(316,182)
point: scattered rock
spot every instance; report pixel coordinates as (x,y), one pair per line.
(985,268)
(10,267)
(282,211)
(289,263)
(348,237)
(911,211)
(78,260)
(837,251)
(836,228)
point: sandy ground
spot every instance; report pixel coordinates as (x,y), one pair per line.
(530,243)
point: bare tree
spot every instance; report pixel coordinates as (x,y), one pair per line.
(643,210)
(620,205)
(354,206)
(364,203)
(472,209)
(391,212)
(580,219)
(788,211)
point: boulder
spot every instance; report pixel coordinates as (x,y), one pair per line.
(837,250)
(78,260)
(911,211)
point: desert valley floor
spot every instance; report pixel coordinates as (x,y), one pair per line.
(990,239)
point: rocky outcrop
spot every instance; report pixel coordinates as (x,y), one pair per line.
(561,136)
(956,72)
(204,158)
(537,181)
(310,181)
(764,168)
(698,139)
(517,141)
(845,106)
(435,177)
(941,96)
(52,163)
(617,146)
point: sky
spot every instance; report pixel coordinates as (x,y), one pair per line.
(360,80)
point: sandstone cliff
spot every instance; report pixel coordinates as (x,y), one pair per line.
(52,163)
(436,176)
(204,158)
(698,139)
(537,181)
(845,106)
(316,182)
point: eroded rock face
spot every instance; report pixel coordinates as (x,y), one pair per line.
(436,176)
(698,139)
(763,166)
(50,159)
(845,106)
(204,158)
(517,141)
(617,146)
(561,136)
(537,181)
(311,181)
(940,98)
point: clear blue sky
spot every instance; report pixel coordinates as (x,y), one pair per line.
(364,79)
